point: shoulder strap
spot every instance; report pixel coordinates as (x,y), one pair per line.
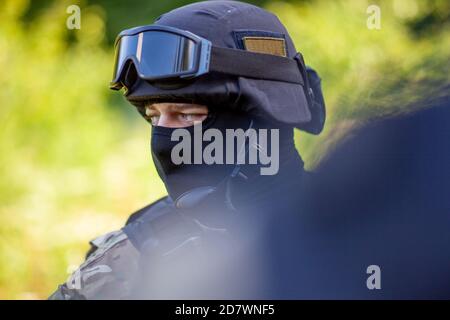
(152,206)
(157,223)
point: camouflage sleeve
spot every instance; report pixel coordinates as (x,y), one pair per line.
(107,273)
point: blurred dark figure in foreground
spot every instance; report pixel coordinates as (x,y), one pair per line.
(381,198)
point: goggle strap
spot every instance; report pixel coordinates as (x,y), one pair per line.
(255,65)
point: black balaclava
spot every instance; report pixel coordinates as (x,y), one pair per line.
(182,178)
(191,184)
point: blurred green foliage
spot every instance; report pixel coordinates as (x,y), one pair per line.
(74,157)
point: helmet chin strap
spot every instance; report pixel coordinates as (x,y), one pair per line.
(196,196)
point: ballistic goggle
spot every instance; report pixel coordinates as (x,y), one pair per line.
(161,53)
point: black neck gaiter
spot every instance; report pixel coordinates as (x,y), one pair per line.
(190,183)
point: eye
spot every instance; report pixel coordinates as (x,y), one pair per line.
(187,117)
(192,117)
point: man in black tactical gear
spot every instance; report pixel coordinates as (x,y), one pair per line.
(372,223)
(211,236)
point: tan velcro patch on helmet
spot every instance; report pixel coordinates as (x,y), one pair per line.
(268,45)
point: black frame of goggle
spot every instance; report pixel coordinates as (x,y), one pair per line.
(201,55)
